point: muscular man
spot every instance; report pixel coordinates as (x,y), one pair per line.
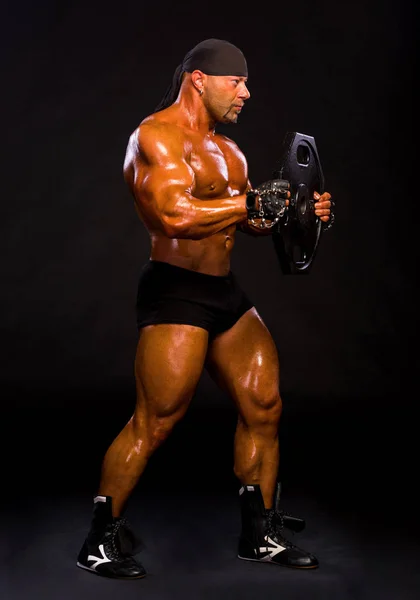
(190,186)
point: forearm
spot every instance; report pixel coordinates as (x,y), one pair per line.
(191,218)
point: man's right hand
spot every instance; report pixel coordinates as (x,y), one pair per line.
(268,202)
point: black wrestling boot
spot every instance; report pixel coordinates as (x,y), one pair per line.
(288,521)
(109,546)
(262,535)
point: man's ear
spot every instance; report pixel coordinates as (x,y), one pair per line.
(197,78)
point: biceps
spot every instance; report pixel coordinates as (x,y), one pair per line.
(159,189)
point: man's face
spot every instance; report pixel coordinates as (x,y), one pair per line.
(225,97)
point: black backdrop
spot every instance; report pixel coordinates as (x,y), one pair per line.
(77,79)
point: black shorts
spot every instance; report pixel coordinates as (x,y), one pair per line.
(169,294)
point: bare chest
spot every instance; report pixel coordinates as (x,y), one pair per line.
(219,169)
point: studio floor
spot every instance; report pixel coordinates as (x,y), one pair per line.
(190,553)
(361,519)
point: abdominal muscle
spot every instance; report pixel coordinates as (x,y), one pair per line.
(209,255)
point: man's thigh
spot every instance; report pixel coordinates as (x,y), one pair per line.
(244,360)
(168,365)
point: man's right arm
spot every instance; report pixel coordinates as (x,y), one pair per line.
(246,226)
(163,184)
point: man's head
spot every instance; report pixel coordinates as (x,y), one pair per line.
(218,72)
(216,57)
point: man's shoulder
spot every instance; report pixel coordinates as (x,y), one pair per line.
(155,129)
(155,138)
(165,121)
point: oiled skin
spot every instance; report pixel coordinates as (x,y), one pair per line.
(189,183)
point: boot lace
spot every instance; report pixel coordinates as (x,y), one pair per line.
(275,527)
(121,541)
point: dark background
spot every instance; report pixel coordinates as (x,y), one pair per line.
(77,79)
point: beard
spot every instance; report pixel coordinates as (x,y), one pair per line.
(221,113)
(231,115)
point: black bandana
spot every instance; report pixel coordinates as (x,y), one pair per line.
(216,57)
(213,57)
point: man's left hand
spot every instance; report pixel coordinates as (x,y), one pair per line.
(322,206)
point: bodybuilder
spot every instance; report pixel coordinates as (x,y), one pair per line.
(189,185)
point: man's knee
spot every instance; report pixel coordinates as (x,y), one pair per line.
(153,430)
(265,409)
(160,430)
